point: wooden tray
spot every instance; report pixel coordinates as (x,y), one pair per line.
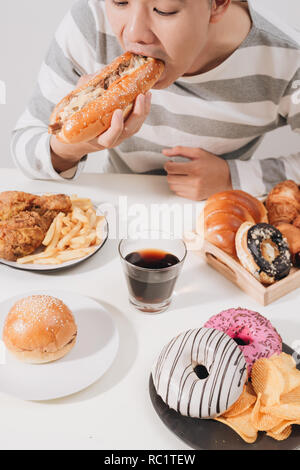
(234,271)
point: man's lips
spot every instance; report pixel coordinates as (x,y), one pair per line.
(145,54)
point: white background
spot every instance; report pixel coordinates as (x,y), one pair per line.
(26,30)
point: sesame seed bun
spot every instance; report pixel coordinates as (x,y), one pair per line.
(87,111)
(39,329)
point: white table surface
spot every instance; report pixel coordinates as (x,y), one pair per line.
(116,412)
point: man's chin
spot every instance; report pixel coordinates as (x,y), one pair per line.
(165,82)
(168,77)
(160,86)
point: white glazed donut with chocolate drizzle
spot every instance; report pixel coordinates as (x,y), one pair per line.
(200,373)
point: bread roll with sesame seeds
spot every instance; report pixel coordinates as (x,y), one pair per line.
(39,329)
(86,112)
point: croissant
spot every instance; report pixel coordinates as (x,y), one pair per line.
(292,234)
(283,203)
(281,213)
(296,221)
(225,212)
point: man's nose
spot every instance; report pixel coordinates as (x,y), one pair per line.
(138,28)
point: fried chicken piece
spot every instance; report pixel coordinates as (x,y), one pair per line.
(25,219)
(13,202)
(51,206)
(22,234)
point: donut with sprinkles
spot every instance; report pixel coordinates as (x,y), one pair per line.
(254,334)
(263,251)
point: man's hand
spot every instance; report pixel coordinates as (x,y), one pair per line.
(205,174)
(65,156)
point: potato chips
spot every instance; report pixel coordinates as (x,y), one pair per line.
(70,236)
(271,403)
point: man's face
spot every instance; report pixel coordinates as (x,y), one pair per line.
(175,31)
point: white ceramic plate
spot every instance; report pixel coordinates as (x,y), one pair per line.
(55,267)
(94,352)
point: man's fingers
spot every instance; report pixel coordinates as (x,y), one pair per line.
(180,151)
(85,79)
(182,190)
(183,183)
(118,130)
(174,168)
(178,188)
(176,179)
(137,117)
(109,138)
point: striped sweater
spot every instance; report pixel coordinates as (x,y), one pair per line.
(225,111)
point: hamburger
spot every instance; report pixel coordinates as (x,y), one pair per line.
(39,329)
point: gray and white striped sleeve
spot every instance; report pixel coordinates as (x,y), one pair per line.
(259,176)
(70,55)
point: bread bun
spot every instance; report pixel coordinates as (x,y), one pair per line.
(39,329)
(225,212)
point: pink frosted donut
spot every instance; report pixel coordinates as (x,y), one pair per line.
(254,334)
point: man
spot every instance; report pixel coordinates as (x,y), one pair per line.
(228,80)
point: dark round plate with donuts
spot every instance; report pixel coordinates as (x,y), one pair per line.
(208,434)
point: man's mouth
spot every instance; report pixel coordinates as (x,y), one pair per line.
(143,53)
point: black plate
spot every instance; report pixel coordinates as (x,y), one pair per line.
(207,434)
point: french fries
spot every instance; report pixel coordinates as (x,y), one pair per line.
(70,236)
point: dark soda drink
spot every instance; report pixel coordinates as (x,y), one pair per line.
(145,285)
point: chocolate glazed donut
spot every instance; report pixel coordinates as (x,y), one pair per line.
(280,266)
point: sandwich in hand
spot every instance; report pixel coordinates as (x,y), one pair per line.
(87,111)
